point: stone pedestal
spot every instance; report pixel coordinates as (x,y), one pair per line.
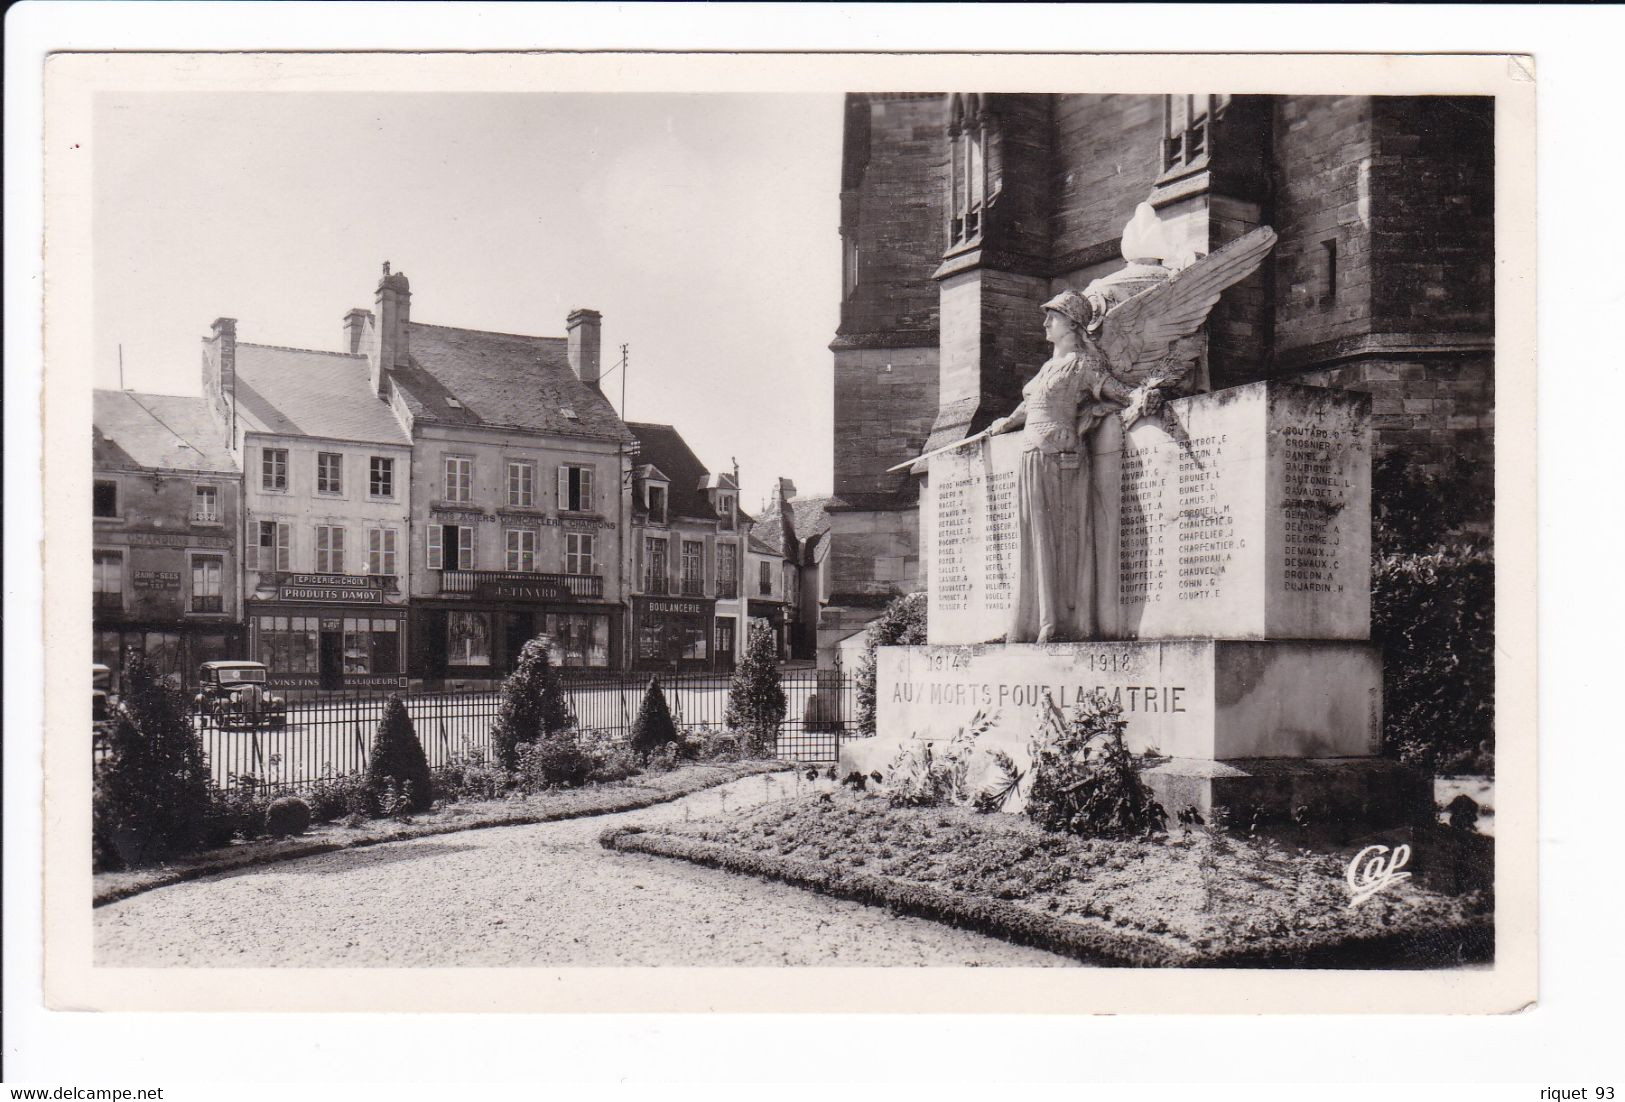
(1237,617)
(1243,514)
(1207,699)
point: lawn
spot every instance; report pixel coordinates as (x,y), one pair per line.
(1192,897)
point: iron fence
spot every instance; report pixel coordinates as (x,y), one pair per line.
(326,733)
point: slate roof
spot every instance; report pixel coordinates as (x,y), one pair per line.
(810,521)
(769,532)
(761,547)
(302,392)
(502,380)
(132,431)
(812,516)
(664,447)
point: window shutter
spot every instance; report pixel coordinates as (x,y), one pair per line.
(436,556)
(282,531)
(465,547)
(586,488)
(564,487)
(251,554)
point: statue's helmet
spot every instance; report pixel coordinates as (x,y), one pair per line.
(1075,307)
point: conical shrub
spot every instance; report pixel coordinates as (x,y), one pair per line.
(398,759)
(654,727)
(533,704)
(756,703)
(151,794)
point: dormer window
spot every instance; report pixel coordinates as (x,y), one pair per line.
(657,503)
(725,510)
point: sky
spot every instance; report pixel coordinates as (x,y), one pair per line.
(703,227)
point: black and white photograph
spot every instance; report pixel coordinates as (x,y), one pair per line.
(1008,527)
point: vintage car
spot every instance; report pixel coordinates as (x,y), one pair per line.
(101,702)
(236,694)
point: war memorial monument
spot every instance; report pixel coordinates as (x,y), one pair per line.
(1200,559)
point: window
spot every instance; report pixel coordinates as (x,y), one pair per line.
(522,549)
(1330,248)
(849,264)
(206,596)
(329,549)
(693,568)
(371,646)
(655,572)
(581,639)
(1186,124)
(270,549)
(381,476)
(727,570)
(972,175)
(468,638)
(104,499)
(206,505)
(329,473)
(725,510)
(459,478)
(766,582)
(289,644)
(575,488)
(381,551)
(521,483)
(108,584)
(444,537)
(274,469)
(578,549)
(657,504)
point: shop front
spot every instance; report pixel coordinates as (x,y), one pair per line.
(165,596)
(478,639)
(330,631)
(674,633)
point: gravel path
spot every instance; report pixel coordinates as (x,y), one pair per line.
(538,895)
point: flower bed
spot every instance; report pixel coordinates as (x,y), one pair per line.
(629,795)
(1197,898)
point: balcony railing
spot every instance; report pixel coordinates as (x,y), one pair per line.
(657,584)
(693,587)
(499,583)
(727,588)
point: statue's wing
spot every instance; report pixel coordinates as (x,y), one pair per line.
(1138,335)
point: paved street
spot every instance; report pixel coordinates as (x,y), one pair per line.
(529,896)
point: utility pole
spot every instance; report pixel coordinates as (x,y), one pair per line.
(625,514)
(121,366)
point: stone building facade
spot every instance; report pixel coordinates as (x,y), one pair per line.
(984,205)
(166,512)
(326,534)
(689,558)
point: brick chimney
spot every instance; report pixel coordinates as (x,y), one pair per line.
(783,494)
(585,340)
(356,323)
(394,313)
(220,372)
